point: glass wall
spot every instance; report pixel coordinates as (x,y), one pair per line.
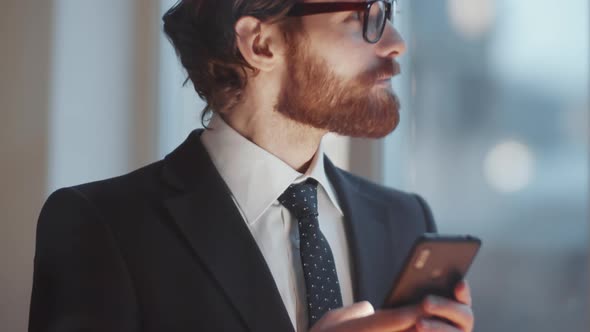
(494,135)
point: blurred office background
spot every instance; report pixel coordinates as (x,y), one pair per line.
(494,134)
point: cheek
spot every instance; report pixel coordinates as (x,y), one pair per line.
(341,47)
(348,61)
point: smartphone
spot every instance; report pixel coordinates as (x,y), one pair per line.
(435,265)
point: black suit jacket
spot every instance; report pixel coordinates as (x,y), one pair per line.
(164,248)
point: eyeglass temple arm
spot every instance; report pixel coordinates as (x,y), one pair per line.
(302,9)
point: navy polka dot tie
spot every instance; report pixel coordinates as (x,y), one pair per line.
(319,269)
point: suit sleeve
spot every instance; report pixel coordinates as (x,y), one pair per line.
(428,218)
(80,280)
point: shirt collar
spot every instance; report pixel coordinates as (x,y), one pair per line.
(255,177)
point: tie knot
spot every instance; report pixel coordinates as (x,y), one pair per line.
(301,199)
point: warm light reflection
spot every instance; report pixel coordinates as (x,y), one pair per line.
(471,18)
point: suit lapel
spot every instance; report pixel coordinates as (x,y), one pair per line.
(370,237)
(213,227)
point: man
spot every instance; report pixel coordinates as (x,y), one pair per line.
(247,226)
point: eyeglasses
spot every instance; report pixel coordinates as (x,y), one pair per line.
(375,13)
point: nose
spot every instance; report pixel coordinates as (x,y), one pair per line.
(391,45)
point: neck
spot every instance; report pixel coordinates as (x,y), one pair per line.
(292,142)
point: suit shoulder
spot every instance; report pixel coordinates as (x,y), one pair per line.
(110,194)
(133,184)
(403,202)
(378,191)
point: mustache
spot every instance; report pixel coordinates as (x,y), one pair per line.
(385,70)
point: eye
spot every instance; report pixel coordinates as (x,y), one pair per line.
(356,16)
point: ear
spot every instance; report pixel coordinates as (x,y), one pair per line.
(258,42)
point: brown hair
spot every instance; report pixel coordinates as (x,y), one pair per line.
(202,32)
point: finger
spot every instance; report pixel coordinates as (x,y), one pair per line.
(430,325)
(455,312)
(463,292)
(354,311)
(389,320)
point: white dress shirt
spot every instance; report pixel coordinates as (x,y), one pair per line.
(256,179)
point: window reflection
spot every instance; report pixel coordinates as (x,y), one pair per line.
(494,134)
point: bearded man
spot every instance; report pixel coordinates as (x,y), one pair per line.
(247,225)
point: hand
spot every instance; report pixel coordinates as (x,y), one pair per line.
(361,317)
(458,312)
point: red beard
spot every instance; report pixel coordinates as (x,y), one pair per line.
(313,95)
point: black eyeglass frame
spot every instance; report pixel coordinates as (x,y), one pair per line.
(312,8)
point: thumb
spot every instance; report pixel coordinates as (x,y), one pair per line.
(337,316)
(357,310)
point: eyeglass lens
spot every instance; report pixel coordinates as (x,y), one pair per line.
(377,18)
